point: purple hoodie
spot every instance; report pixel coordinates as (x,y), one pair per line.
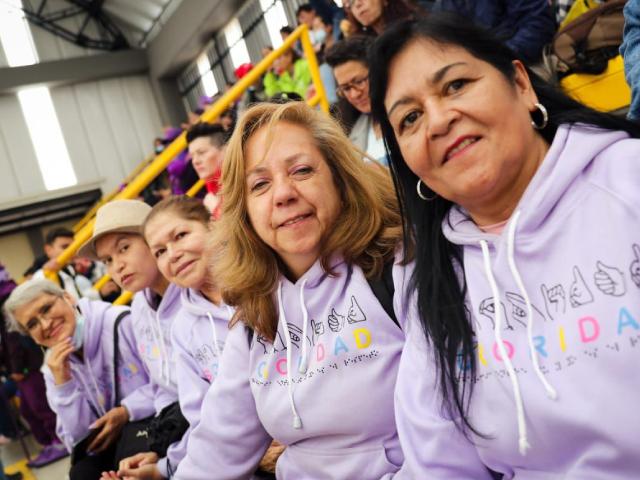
(197,337)
(152,325)
(90,392)
(557,401)
(335,416)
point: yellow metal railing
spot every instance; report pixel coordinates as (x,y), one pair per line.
(110,196)
(159,164)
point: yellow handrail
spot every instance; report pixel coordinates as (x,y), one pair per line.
(172,150)
(107,198)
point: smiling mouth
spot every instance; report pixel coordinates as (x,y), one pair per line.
(55,330)
(184,266)
(295,220)
(461,146)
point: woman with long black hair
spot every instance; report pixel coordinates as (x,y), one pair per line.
(523,206)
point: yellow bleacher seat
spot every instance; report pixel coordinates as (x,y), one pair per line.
(606,92)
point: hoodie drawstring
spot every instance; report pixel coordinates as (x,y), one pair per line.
(159,338)
(304,363)
(215,335)
(511,234)
(523,444)
(99,407)
(297,422)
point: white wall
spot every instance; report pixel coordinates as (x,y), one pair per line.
(108,125)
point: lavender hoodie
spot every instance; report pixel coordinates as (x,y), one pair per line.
(90,393)
(152,327)
(558,402)
(335,416)
(197,337)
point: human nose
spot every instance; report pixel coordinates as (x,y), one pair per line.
(284,192)
(173,252)
(439,118)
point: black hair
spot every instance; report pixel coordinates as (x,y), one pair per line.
(440,290)
(57,233)
(354,48)
(214,131)
(286,29)
(305,7)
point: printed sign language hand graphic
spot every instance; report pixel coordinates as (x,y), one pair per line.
(609,280)
(336,321)
(635,265)
(554,300)
(579,293)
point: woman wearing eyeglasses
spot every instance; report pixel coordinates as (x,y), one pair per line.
(348,59)
(92,397)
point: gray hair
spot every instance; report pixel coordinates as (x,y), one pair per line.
(26,293)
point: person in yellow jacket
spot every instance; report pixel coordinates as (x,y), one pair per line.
(291,74)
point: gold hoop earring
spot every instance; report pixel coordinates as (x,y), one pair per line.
(422,195)
(545,117)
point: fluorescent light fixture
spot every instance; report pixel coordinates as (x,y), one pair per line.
(46,135)
(15,35)
(275,18)
(37,107)
(233,35)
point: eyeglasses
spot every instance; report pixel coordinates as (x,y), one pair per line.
(355,84)
(35,323)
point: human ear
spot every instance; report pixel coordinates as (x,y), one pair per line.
(523,85)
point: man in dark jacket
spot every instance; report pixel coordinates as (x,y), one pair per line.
(525,25)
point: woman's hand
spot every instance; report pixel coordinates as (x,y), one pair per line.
(110,426)
(58,361)
(141,466)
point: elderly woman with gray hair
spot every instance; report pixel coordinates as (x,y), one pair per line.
(92,371)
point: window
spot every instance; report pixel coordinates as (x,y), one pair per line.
(275,18)
(206,76)
(36,104)
(238,49)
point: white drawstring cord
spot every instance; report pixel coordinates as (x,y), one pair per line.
(215,335)
(551,392)
(163,351)
(93,399)
(297,421)
(304,363)
(523,444)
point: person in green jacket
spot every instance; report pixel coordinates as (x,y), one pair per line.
(292,74)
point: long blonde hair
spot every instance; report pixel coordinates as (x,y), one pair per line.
(365,233)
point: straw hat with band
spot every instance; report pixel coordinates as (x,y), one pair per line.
(118,216)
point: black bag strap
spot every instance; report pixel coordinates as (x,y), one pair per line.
(383,288)
(116,384)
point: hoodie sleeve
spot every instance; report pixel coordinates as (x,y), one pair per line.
(73,413)
(432,444)
(232,440)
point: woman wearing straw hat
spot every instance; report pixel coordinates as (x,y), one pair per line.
(117,241)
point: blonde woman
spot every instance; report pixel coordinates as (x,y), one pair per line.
(308,233)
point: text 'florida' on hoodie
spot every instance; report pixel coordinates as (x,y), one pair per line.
(90,393)
(324,388)
(558,401)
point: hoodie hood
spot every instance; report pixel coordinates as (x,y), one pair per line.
(553,183)
(550,303)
